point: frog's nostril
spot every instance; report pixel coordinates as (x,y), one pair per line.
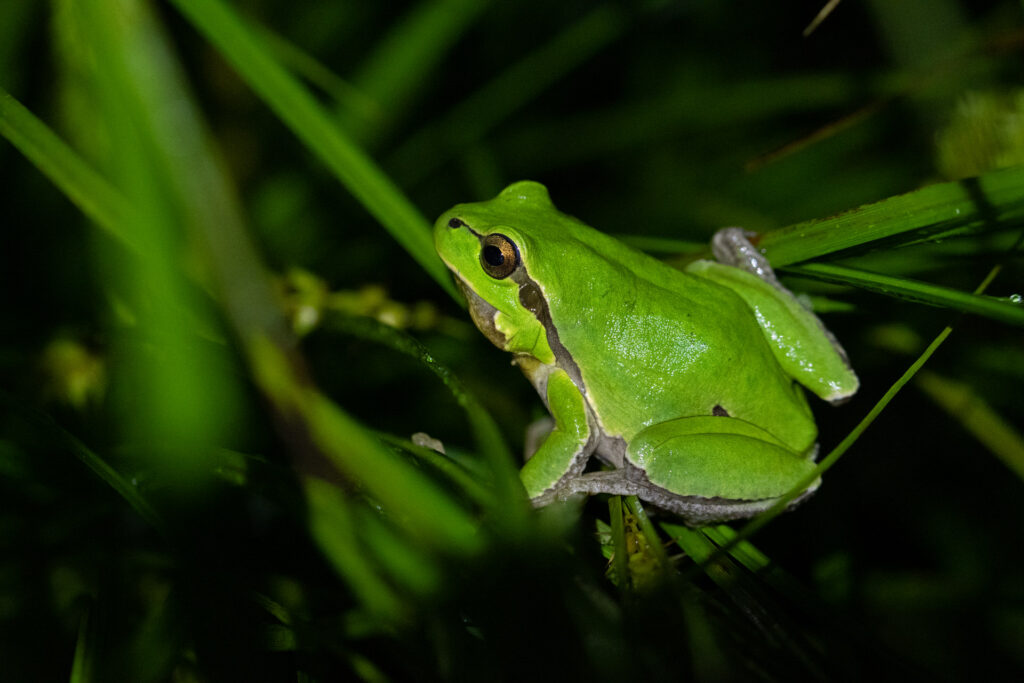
(456,223)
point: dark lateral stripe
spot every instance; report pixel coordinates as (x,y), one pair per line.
(532,298)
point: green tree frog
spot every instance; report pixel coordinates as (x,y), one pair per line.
(685,383)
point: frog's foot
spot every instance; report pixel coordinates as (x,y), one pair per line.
(695,511)
(732,246)
(427,441)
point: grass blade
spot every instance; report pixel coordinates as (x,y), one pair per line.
(474,117)
(977,417)
(397,69)
(83,664)
(430,516)
(333,526)
(184,399)
(90,459)
(914,290)
(193,189)
(298,109)
(455,472)
(89,191)
(988,202)
(485,430)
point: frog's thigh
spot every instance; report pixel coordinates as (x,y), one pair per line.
(717,457)
(564,451)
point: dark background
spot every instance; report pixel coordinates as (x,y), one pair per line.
(908,559)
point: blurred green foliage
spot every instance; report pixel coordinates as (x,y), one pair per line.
(220,412)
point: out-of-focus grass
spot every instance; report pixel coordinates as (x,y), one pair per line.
(253,506)
(319,133)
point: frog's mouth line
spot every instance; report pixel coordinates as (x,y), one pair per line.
(482,313)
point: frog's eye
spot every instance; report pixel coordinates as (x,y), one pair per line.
(499,255)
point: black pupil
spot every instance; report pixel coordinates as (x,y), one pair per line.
(493,255)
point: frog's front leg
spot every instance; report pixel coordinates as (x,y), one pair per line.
(565,450)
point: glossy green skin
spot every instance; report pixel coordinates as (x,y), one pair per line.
(688,380)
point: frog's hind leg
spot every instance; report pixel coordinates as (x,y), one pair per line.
(802,345)
(705,469)
(711,456)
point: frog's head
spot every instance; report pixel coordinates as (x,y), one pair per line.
(488,246)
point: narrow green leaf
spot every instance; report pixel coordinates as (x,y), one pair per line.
(914,290)
(348,98)
(745,552)
(397,69)
(89,191)
(334,528)
(446,466)
(485,431)
(696,545)
(620,553)
(426,511)
(298,109)
(471,119)
(415,503)
(988,202)
(186,400)
(112,477)
(82,665)
(977,417)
